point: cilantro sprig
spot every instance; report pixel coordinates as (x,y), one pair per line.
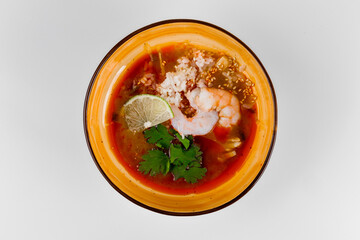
(159,136)
(187,163)
(173,153)
(155,162)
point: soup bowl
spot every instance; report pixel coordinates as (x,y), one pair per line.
(110,72)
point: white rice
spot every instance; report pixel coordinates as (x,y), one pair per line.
(201,61)
(175,82)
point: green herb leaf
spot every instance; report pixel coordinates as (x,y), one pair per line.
(191,173)
(159,136)
(183,161)
(186,163)
(155,162)
(185,141)
(177,153)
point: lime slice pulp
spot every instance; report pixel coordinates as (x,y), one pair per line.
(145,110)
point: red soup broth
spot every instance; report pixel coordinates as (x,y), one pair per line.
(129,147)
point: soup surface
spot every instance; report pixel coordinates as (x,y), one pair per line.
(214,108)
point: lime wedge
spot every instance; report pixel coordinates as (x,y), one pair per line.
(145,110)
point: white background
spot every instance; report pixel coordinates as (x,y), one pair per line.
(51,189)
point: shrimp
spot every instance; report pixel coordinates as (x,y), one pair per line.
(222,101)
(201,124)
(212,106)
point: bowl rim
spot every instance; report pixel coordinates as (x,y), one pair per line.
(107,56)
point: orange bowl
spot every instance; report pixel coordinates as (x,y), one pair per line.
(110,72)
